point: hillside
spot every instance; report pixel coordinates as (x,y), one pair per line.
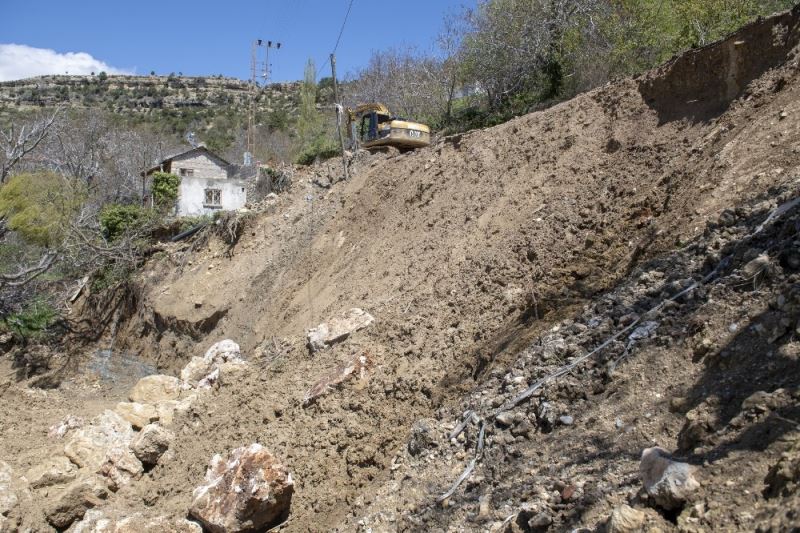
(644,232)
(143,94)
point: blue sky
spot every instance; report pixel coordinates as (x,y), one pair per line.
(208,37)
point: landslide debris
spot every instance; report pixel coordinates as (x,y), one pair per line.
(656,217)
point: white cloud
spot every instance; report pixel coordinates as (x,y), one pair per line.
(18,61)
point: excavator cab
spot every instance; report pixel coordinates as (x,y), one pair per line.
(372,125)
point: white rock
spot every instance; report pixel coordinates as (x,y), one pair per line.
(670,483)
(54,471)
(156,388)
(338,329)
(138,414)
(249,490)
(87,446)
(8,498)
(60,429)
(223,351)
(195,370)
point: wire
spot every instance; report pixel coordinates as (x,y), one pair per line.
(338,39)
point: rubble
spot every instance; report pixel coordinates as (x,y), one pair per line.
(97,521)
(248,490)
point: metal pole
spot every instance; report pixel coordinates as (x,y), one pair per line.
(338,116)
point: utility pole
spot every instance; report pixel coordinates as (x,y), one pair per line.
(255,72)
(339,111)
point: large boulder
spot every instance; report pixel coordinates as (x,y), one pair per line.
(73,502)
(151,443)
(156,388)
(138,414)
(169,408)
(54,471)
(88,445)
(338,329)
(670,483)
(8,498)
(248,490)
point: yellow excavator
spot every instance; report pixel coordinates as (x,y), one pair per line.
(373,126)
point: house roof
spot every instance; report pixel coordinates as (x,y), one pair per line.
(169,159)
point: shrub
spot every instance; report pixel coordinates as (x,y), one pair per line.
(165,188)
(117,219)
(33,321)
(322,148)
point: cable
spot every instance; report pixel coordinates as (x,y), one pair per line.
(338,39)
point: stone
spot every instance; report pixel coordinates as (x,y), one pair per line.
(151,443)
(566,420)
(422,437)
(156,388)
(195,370)
(249,490)
(223,352)
(338,329)
(626,519)
(138,414)
(97,521)
(761,266)
(505,419)
(73,502)
(783,477)
(88,446)
(54,471)
(8,498)
(60,429)
(670,483)
(120,467)
(166,411)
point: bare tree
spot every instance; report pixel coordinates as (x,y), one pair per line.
(16,143)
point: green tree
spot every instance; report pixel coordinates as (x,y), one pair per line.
(313,140)
(40,205)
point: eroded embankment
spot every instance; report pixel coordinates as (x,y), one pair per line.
(466,253)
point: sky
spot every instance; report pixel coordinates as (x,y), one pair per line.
(205,38)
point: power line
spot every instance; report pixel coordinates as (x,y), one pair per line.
(338,39)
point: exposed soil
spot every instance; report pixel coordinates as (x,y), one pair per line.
(489,260)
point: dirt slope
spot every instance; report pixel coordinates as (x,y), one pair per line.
(469,254)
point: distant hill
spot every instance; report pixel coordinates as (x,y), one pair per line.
(215,107)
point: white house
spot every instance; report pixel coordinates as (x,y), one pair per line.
(206,182)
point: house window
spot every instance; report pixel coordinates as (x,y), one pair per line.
(213,198)
(187,172)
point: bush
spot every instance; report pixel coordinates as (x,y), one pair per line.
(117,219)
(323,148)
(165,188)
(33,321)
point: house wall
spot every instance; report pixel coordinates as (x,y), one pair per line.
(204,165)
(192,192)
